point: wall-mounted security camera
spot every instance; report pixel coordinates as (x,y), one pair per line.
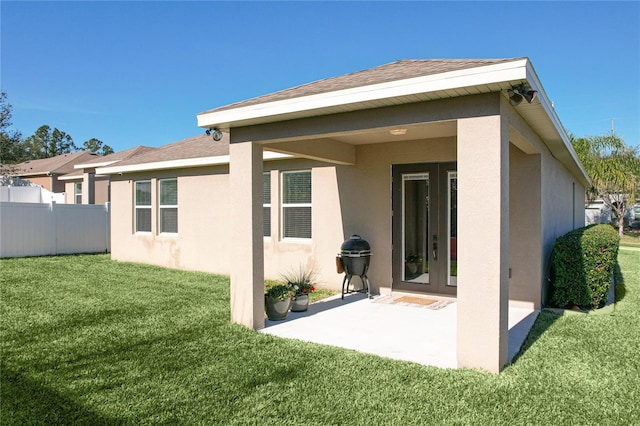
(215,132)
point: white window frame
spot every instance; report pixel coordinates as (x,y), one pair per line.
(77,192)
(267,203)
(284,206)
(146,207)
(166,206)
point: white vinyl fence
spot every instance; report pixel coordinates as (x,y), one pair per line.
(29,194)
(37,229)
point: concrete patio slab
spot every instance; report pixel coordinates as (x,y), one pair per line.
(398,331)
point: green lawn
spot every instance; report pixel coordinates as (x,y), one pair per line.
(631,239)
(89,341)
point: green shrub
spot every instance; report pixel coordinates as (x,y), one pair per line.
(582,267)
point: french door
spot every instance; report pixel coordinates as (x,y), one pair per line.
(425,231)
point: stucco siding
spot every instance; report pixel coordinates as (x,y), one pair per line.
(203,222)
(365,196)
(525,245)
(562,207)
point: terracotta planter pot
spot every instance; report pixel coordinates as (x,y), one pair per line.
(300,303)
(276,309)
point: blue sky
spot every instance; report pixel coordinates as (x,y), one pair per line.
(137,73)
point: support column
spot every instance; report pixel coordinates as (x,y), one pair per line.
(483,247)
(88,188)
(247,250)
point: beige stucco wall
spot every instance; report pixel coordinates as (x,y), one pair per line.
(44,181)
(365,193)
(100,187)
(69,191)
(525,247)
(356,199)
(346,200)
(203,221)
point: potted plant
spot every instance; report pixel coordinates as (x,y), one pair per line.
(413,261)
(277,301)
(302,281)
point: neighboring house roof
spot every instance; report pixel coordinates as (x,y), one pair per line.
(58,165)
(196,151)
(115,157)
(404,82)
(105,161)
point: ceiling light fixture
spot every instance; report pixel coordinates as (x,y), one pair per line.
(398,132)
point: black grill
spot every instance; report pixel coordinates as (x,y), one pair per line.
(355,255)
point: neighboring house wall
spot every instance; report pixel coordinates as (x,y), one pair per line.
(44,181)
(29,229)
(101,190)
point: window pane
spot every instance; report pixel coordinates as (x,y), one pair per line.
(267,221)
(143,193)
(78,194)
(296,187)
(297,222)
(266,188)
(143,220)
(169,192)
(168,219)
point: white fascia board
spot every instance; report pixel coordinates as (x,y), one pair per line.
(508,71)
(94,165)
(74,177)
(184,163)
(534,82)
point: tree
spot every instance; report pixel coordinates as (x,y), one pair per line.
(11,150)
(96,146)
(614,169)
(46,143)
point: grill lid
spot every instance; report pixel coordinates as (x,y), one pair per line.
(355,245)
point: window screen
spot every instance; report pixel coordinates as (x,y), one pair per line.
(168,205)
(296,204)
(143,206)
(78,193)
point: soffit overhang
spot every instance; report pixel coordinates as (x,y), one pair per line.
(501,77)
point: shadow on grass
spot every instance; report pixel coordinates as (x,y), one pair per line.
(620,289)
(25,401)
(544,321)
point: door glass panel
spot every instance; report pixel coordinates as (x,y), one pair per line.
(415,227)
(452,226)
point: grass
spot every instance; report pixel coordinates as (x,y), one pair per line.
(86,340)
(630,239)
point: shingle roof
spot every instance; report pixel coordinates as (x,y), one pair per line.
(59,164)
(194,147)
(399,70)
(121,155)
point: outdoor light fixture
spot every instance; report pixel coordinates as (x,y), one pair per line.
(217,133)
(520,92)
(398,132)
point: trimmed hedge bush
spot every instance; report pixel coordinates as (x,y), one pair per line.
(582,267)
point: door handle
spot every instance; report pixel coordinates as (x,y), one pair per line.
(435,247)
